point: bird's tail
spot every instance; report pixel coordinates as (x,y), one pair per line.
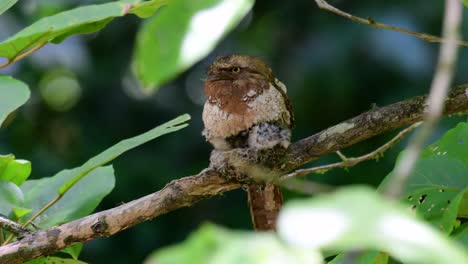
(265,201)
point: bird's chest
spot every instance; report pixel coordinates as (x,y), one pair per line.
(228,112)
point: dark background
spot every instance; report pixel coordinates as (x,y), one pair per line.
(334,69)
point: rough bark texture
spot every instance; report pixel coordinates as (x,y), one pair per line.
(227,171)
(176,194)
(369,124)
(16,229)
(265,201)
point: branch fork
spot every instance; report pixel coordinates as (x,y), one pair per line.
(220,178)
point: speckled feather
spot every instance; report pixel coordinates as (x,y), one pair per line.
(237,101)
(247,106)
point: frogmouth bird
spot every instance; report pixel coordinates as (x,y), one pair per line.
(247,107)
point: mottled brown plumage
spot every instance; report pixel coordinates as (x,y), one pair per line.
(242,92)
(247,106)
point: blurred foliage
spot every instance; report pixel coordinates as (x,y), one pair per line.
(212,244)
(4,5)
(14,94)
(13,170)
(353,218)
(56,28)
(54,260)
(437,187)
(79,202)
(182,34)
(60,90)
(334,69)
(74,251)
(10,197)
(357,218)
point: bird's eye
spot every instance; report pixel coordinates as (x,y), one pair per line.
(235,69)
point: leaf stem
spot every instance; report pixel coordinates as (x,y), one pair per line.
(41,211)
(22,55)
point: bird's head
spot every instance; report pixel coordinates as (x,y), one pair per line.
(235,67)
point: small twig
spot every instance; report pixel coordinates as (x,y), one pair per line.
(22,55)
(187,191)
(14,228)
(341,155)
(435,102)
(41,211)
(349,162)
(306,187)
(369,21)
(177,194)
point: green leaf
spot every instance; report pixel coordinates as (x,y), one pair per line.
(121,147)
(438,205)
(358,218)
(56,28)
(13,94)
(453,144)
(452,149)
(74,251)
(10,196)
(465,2)
(461,235)
(438,184)
(181,34)
(21,211)
(16,171)
(6,4)
(78,202)
(436,190)
(370,257)
(442,172)
(213,245)
(54,260)
(148,8)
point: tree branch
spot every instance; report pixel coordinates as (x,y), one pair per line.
(14,228)
(322,4)
(178,193)
(349,162)
(212,181)
(369,124)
